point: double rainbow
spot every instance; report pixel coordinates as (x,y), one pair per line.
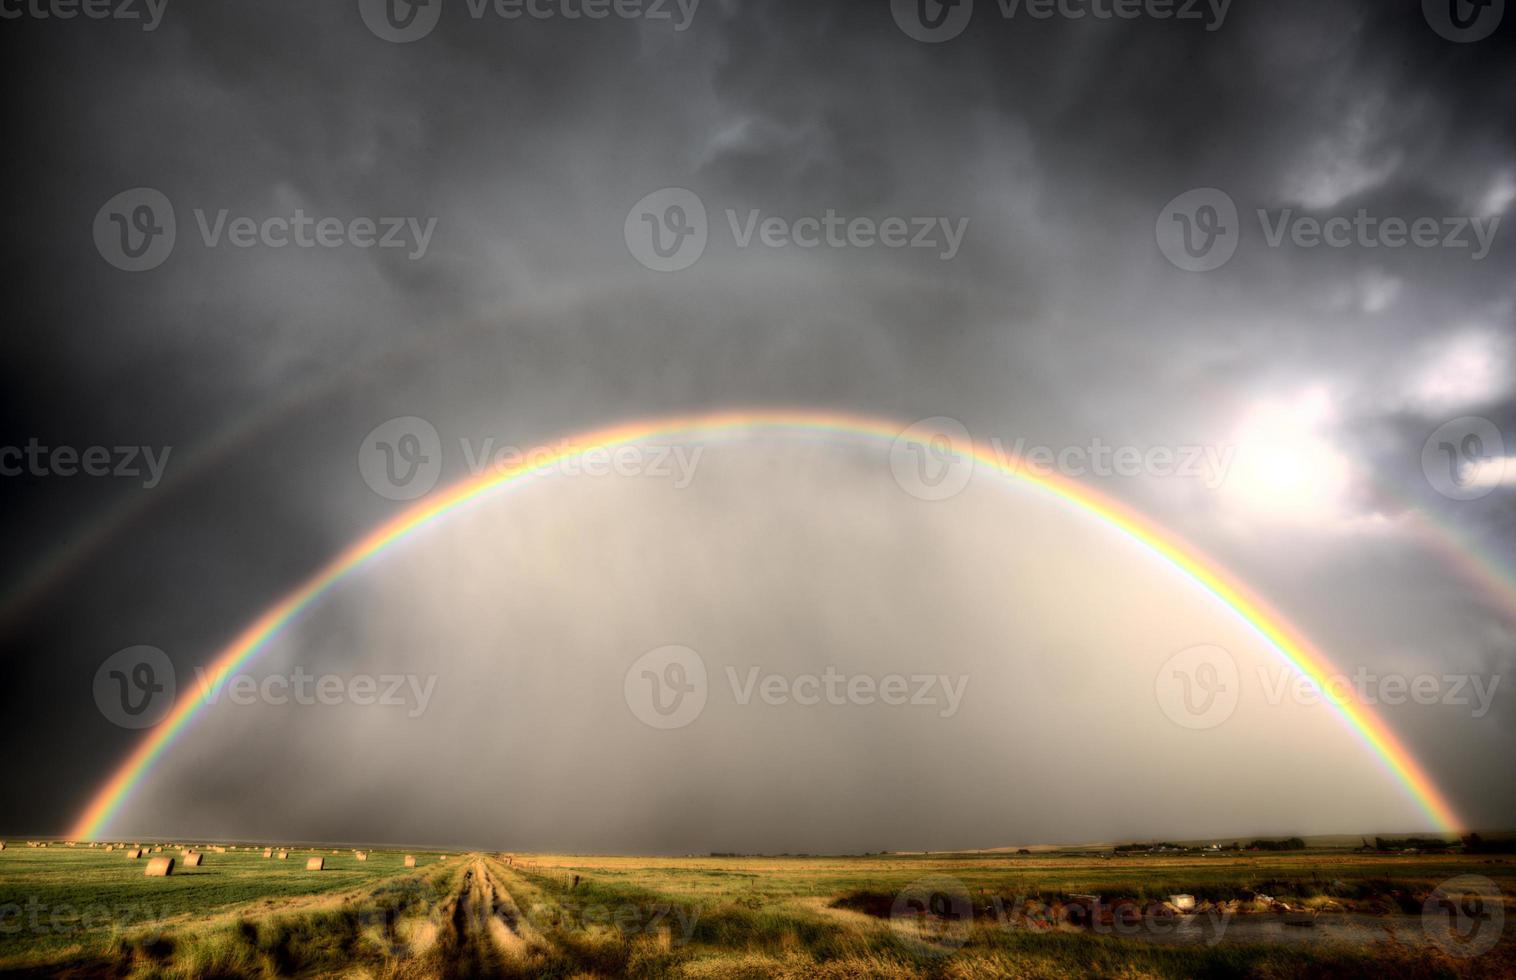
(1281,637)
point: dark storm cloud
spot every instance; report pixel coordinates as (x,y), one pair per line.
(529,140)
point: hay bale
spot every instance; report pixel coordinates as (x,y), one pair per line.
(284,855)
(316,864)
(110,847)
(134,854)
(160,867)
(410,860)
(361,855)
(193,859)
(268,852)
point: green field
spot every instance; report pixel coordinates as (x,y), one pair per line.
(88,913)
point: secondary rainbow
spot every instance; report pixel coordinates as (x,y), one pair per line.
(1285,640)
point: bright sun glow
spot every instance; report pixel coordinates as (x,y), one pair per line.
(1287,468)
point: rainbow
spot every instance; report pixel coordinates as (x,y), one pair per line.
(1286,641)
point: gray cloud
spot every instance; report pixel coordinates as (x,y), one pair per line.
(1059,321)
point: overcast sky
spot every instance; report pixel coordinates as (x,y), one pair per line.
(1045,171)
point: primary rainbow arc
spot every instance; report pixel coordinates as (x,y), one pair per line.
(1284,639)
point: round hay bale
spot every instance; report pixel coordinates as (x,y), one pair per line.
(361,855)
(284,855)
(160,867)
(410,860)
(193,859)
(316,864)
(268,852)
(134,854)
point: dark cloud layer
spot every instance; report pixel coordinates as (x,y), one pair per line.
(528,141)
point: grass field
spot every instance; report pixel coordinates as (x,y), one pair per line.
(84,912)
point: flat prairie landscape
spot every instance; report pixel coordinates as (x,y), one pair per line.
(79,911)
